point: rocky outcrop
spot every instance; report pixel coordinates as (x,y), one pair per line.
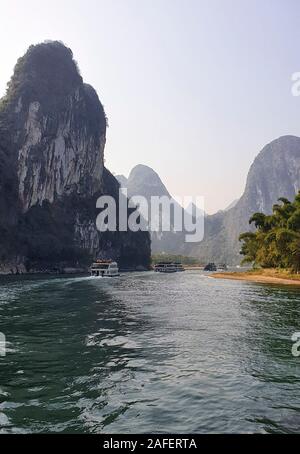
(52,140)
(144,181)
(274,173)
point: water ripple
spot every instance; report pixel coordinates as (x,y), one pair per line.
(148,353)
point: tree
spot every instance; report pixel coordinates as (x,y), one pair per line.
(276,241)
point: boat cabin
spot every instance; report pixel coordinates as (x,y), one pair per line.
(104,268)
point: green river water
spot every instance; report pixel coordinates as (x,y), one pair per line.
(148,352)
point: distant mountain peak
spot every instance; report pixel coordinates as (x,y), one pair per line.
(274,173)
(143,180)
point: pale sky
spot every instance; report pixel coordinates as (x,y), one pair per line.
(192,88)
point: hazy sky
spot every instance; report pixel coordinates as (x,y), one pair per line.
(192,88)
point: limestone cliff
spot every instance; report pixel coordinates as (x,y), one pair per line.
(144,181)
(274,173)
(52,139)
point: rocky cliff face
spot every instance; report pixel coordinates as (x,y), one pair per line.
(274,173)
(144,181)
(52,139)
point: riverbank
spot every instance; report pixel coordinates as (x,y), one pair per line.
(267,276)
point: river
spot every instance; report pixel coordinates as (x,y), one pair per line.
(148,353)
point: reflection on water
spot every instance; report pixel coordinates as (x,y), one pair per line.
(148,353)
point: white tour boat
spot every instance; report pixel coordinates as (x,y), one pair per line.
(165,267)
(104,268)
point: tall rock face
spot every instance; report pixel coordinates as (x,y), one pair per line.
(274,173)
(57,125)
(52,139)
(144,181)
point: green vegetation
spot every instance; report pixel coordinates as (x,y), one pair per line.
(276,241)
(174,258)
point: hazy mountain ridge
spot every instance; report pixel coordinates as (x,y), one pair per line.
(274,173)
(231,205)
(144,181)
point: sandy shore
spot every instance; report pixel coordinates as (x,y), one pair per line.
(260,277)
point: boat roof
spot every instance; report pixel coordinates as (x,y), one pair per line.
(165,263)
(104,262)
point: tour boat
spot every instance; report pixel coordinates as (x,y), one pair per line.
(223,267)
(179,267)
(210,267)
(165,267)
(104,268)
